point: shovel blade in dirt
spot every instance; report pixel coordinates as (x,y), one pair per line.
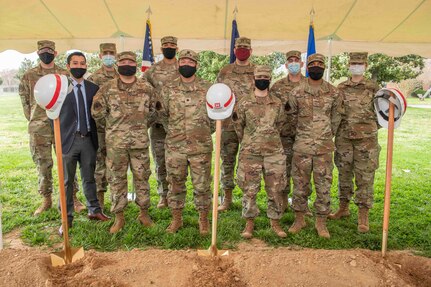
(61,258)
(213,251)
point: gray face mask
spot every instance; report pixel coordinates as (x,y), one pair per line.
(108,60)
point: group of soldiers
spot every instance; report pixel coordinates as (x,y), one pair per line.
(282,132)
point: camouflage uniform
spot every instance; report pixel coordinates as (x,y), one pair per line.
(100,77)
(240,80)
(281,89)
(127,110)
(188,140)
(318,113)
(357,148)
(39,128)
(158,76)
(258,122)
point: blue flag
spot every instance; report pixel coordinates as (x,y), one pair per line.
(311,47)
(235,34)
(147,54)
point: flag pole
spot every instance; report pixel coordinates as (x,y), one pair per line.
(328,71)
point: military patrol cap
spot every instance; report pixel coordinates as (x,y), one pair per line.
(263,70)
(126,55)
(108,47)
(169,39)
(188,54)
(358,57)
(243,41)
(293,53)
(45,44)
(316,58)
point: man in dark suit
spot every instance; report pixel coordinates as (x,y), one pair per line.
(79,137)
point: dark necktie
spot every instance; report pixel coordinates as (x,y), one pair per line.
(82,114)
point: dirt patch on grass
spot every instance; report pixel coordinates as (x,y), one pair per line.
(253,264)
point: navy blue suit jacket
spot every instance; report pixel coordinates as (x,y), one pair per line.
(69,117)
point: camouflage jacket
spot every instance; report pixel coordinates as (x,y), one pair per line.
(240,80)
(159,75)
(318,113)
(258,122)
(281,89)
(101,76)
(184,114)
(359,119)
(127,110)
(36,116)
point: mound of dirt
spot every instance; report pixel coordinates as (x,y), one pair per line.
(253,264)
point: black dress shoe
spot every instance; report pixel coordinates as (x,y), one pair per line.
(98,216)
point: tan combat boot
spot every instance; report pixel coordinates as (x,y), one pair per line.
(363,225)
(227,201)
(247,233)
(343,211)
(163,202)
(275,224)
(298,224)
(119,223)
(46,204)
(204,222)
(321,227)
(101,199)
(145,218)
(77,205)
(177,221)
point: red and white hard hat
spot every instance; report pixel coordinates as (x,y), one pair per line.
(381,106)
(220,102)
(50,92)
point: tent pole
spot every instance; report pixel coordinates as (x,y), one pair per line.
(328,72)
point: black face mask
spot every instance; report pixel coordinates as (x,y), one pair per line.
(187,71)
(169,53)
(78,73)
(261,84)
(46,57)
(127,70)
(316,73)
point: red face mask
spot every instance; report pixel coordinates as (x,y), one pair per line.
(242,54)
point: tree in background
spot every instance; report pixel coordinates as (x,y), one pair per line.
(381,68)
(1,81)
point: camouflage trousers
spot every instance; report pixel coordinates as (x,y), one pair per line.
(157,140)
(177,165)
(229,151)
(41,153)
(287,143)
(101,173)
(357,159)
(117,161)
(250,169)
(320,166)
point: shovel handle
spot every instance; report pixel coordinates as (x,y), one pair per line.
(387,204)
(63,208)
(216,189)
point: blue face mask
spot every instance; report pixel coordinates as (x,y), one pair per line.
(108,60)
(294,68)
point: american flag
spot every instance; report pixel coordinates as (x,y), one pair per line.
(147,55)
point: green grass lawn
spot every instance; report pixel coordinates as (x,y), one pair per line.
(410,223)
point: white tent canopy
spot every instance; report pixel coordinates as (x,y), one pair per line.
(394,27)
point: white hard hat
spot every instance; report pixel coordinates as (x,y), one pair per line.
(220,102)
(381,106)
(50,92)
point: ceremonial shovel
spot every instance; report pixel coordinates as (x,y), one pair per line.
(213,251)
(69,254)
(220,103)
